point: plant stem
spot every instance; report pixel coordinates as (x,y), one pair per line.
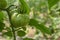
(12,26)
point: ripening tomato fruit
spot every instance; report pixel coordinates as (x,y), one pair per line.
(19,20)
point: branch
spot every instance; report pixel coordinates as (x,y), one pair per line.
(12,6)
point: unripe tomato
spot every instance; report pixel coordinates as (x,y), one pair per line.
(3,4)
(19,20)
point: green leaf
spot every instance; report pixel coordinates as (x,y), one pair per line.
(24,7)
(1,21)
(1,26)
(52,3)
(41,27)
(27,39)
(33,22)
(9,33)
(21,33)
(1,16)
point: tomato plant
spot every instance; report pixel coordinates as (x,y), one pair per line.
(15,18)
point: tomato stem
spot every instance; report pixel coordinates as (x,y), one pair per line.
(12,26)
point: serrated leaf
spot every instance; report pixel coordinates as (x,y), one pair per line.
(52,3)
(21,33)
(41,27)
(27,39)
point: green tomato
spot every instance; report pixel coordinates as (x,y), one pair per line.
(19,20)
(3,4)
